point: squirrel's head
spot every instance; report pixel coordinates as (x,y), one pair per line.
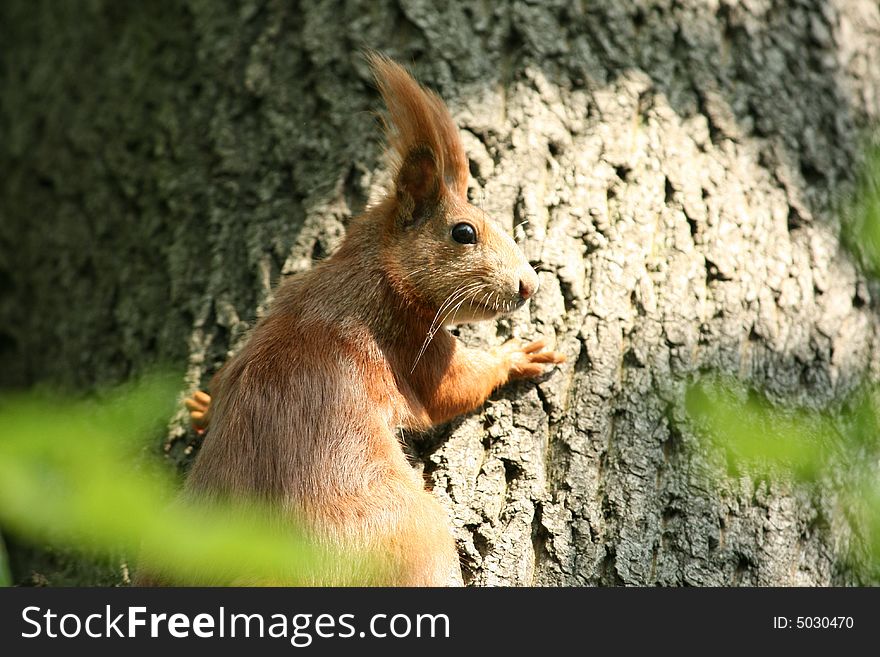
(439,248)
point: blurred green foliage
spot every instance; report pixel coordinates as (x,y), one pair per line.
(861,217)
(770,441)
(767,440)
(5,574)
(77,474)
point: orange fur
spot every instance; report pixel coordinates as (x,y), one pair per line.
(418,116)
(306,415)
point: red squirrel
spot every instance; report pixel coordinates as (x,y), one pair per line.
(306,415)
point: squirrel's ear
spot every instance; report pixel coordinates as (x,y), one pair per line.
(417,185)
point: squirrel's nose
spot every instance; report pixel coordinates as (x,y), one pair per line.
(528,283)
(527,288)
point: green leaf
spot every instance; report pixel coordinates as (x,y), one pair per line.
(69,475)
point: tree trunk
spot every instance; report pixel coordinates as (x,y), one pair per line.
(674,167)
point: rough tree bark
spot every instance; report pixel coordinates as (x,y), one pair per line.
(676,162)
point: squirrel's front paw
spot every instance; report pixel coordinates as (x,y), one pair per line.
(530,360)
(199,406)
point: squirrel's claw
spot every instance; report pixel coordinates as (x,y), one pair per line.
(530,360)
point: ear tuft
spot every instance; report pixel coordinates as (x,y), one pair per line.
(418,119)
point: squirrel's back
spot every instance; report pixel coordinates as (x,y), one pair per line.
(304,411)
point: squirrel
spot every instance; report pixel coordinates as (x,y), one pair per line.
(306,414)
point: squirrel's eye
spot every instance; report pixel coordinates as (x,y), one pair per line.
(464,233)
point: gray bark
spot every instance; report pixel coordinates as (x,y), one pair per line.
(163,164)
